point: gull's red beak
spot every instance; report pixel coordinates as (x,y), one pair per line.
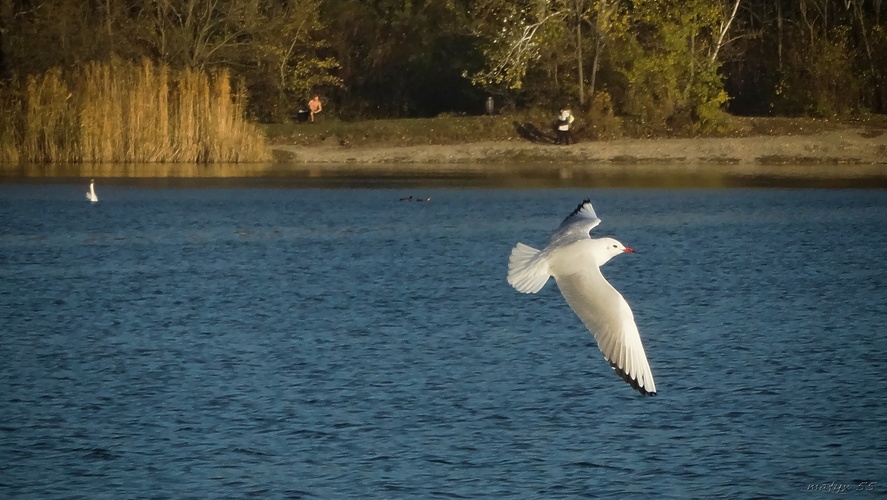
(629,250)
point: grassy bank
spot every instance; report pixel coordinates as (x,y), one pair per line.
(454,130)
(393,132)
(127,113)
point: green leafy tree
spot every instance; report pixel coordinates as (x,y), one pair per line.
(830,66)
(539,50)
(818,77)
(669,59)
(815,57)
(293,59)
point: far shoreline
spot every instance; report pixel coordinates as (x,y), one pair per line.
(836,149)
(847,156)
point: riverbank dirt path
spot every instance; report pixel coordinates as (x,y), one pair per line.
(850,146)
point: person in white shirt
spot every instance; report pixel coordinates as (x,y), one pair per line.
(564,124)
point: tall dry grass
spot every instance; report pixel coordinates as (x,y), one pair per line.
(128,113)
(9,150)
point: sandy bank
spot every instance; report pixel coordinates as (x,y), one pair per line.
(849,149)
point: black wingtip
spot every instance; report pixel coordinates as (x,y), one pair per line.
(579,207)
(632,382)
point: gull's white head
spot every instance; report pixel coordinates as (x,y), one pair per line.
(607,248)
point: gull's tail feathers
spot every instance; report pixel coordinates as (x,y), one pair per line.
(527,270)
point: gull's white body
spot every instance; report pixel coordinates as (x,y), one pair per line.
(90,195)
(573,258)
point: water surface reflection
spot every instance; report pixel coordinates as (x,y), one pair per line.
(488,175)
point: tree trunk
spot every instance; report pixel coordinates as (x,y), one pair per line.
(725,27)
(5,20)
(598,47)
(876,80)
(579,54)
(779,35)
(108,21)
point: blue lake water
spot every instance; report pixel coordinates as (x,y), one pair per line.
(199,342)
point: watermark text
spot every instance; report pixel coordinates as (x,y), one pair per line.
(837,487)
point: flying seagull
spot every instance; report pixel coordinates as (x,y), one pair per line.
(574,258)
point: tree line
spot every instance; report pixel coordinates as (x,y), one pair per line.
(662,63)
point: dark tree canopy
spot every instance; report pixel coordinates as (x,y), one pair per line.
(664,63)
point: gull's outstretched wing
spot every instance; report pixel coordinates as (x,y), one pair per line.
(607,315)
(576,226)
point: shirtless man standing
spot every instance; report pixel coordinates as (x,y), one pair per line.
(314,106)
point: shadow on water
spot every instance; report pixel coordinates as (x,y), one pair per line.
(486,175)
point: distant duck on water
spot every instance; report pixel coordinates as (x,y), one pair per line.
(90,195)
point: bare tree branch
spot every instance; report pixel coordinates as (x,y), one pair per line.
(725,26)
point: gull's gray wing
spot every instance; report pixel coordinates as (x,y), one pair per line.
(576,226)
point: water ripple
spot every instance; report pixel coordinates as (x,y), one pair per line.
(326,344)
